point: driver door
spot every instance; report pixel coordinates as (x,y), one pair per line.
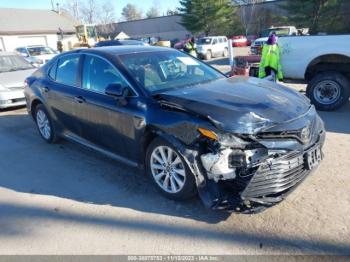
(106,123)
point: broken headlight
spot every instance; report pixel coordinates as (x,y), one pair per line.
(225,139)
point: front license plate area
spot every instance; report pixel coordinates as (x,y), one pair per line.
(313,158)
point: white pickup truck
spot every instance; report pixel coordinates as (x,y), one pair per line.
(323,62)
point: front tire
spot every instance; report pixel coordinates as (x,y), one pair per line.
(44,124)
(169,171)
(208,55)
(328,90)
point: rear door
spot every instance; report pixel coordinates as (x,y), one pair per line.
(61,92)
(215,46)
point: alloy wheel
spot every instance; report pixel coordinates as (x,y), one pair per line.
(167,169)
(43,124)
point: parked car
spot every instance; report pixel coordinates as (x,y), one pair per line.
(241,143)
(251,39)
(211,46)
(325,67)
(119,42)
(239,41)
(181,44)
(256,46)
(14,69)
(36,54)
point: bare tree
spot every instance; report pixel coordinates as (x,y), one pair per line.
(247,13)
(130,12)
(107,13)
(172,12)
(153,12)
(90,11)
(73,7)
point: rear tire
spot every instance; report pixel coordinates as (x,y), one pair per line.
(328,90)
(44,124)
(169,171)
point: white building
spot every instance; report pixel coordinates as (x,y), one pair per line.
(23,27)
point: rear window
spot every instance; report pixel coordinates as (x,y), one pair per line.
(67,70)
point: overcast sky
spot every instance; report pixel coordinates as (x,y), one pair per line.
(163,5)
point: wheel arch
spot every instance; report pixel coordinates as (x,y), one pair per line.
(33,105)
(329,62)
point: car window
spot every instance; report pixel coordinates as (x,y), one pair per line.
(220,40)
(225,39)
(215,41)
(40,50)
(98,74)
(158,71)
(204,41)
(52,71)
(67,70)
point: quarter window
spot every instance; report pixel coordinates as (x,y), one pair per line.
(52,72)
(98,74)
(67,70)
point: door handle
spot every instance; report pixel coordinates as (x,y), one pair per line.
(79,99)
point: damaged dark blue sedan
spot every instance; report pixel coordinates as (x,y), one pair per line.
(241,144)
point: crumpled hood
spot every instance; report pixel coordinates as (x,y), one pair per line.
(15,78)
(241,105)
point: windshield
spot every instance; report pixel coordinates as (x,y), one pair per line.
(160,71)
(40,50)
(278,32)
(204,41)
(13,63)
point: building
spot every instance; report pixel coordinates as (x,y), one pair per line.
(22,27)
(164,27)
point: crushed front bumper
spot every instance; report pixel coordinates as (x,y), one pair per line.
(265,185)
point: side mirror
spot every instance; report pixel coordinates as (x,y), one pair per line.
(24,54)
(116,90)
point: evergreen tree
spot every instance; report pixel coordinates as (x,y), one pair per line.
(208,16)
(317,15)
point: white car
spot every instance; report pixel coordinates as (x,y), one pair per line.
(36,54)
(14,69)
(208,47)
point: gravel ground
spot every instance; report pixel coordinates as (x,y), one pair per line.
(64,199)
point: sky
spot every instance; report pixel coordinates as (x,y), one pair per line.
(144,5)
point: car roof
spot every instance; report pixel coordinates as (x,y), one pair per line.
(123,50)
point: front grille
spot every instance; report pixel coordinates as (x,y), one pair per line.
(276,176)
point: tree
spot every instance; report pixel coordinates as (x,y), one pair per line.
(247,13)
(172,12)
(153,12)
(107,14)
(73,7)
(130,12)
(208,16)
(90,11)
(317,15)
